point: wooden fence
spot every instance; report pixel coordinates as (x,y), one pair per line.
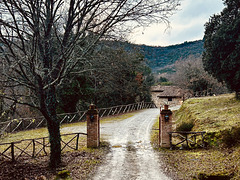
(203,93)
(190,138)
(37,122)
(33,148)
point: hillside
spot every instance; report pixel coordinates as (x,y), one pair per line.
(159,57)
(211,114)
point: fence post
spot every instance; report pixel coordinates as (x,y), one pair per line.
(170,139)
(12,151)
(77,141)
(202,134)
(33,141)
(44,146)
(10,127)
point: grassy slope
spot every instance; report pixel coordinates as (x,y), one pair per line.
(211,114)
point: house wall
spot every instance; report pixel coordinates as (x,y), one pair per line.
(161,101)
(174,102)
(155,99)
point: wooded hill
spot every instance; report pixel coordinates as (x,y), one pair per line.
(160,57)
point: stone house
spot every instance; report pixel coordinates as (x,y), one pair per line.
(171,95)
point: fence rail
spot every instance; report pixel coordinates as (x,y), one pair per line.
(37,122)
(190,138)
(203,93)
(38,147)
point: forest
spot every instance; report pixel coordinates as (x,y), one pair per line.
(159,57)
(131,70)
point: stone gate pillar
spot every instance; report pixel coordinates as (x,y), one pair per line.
(165,126)
(93,127)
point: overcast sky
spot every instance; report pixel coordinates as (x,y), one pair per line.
(186,25)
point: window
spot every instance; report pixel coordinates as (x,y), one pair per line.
(169,99)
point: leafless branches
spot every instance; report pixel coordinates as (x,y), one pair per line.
(42,41)
(191,75)
(39,38)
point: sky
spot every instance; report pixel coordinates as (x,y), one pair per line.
(187,24)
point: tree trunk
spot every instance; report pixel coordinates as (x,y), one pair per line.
(237,95)
(49,111)
(55,142)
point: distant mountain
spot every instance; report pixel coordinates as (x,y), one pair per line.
(158,58)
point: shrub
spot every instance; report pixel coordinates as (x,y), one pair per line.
(212,139)
(185,126)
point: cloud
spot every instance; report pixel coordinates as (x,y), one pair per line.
(186,25)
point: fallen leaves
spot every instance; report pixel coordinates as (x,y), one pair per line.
(79,163)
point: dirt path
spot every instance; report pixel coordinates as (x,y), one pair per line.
(131,156)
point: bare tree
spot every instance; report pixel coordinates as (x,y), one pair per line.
(191,75)
(39,40)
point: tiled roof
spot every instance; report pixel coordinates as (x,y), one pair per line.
(167,91)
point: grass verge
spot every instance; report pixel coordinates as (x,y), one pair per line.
(43,132)
(78,164)
(216,115)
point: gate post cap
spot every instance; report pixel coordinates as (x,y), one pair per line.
(166,106)
(92,106)
(92,109)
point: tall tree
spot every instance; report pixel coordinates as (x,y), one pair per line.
(222,45)
(38,44)
(123,80)
(118,75)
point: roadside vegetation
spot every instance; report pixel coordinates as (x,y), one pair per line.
(80,164)
(42,132)
(219,117)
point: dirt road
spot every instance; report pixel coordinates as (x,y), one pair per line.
(131,156)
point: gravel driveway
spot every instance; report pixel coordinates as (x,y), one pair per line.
(131,156)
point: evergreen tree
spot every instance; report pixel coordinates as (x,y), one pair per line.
(222,46)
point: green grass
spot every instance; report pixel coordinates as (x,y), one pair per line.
(217,116)
(43,132)
(80,163)
(121,117)
(29,134)
(155,134)
(210,114)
